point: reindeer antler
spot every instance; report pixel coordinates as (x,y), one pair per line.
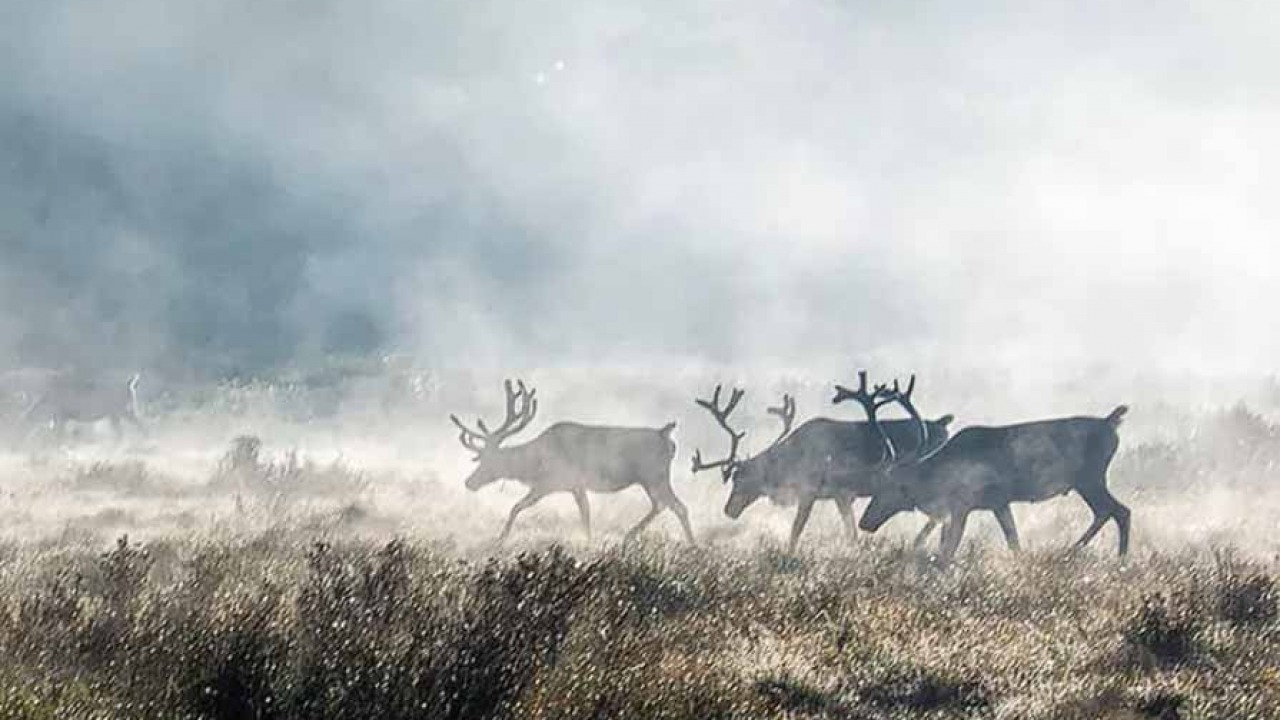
(903,398)
(729,463)
(787,413)
(871,402)
(469,438)
(522,406)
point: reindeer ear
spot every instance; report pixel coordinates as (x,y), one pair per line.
(945,420)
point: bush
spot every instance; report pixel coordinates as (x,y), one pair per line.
(132,478)
(280,626)
(1246,599)
(242,471)
(1164,630)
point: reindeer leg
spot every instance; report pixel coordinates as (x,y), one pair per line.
(644,522)
(802,517)
(663,497)
(924,533)
(136,423)
(1105,507)
(1119,512)
(845,506)
(1098,522)
(1004,516)
(951,534)
(58,431)
(682,514)
(524,504)
(1121,515)
(1101,513)
(584,511)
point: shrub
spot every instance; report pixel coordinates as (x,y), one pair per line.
(242,471)
(128,478)
(280,626)
(1163,630)
(923,691)
(1246,598)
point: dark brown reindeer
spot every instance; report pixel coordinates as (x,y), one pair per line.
(823,459)
(573,458)
(992,467)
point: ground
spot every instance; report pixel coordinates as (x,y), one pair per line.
(178,576)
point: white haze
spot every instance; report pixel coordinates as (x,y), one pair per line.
(1044,208)
(508,185)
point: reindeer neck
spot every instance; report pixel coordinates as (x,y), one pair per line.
(528,458)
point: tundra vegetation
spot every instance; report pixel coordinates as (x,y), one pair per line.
(245,570)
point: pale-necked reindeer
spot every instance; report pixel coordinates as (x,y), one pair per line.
(73,397)
(992,467)
(573,458)
(823,459)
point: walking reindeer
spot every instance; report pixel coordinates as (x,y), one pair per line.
(574,458)
(823,459)
(992,467)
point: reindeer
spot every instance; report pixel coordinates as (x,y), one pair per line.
(574,458)
(19,388)
(18,391)
(71,397)
(992,467)
(823,459)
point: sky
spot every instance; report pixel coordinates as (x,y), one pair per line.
(240,185)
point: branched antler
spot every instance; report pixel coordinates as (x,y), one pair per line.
(903,398)
(871,402)
(469,438)
(730,462)
(787,413)
(522,406)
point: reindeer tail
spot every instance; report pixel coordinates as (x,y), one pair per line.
(1117,416)
(665,430)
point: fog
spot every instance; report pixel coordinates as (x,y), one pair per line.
(244,185)
(1042,209)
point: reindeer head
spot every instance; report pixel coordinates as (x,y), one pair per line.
(750,475)
(749,485)
(495,462)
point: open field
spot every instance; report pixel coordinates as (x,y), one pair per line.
(591,360)
(307,583)
(289,624)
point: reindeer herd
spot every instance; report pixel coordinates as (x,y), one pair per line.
(901,465)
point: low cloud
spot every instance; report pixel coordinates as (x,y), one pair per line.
(249,184)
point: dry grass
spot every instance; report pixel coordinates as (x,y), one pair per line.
(272,587)
(286,625)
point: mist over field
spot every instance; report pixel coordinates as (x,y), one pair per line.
(316,229)
(1043,211)
(250,184)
